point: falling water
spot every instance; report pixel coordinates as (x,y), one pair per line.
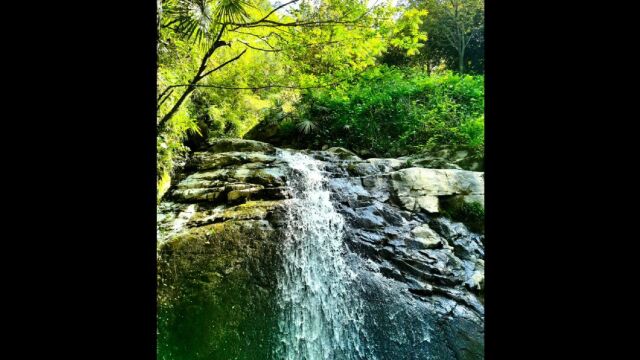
(320,312)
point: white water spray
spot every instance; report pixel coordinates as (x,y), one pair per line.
(320,311)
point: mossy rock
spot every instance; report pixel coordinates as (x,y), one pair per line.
(250,210)
(216,292)
(465,209)
(343,153)
(227,145)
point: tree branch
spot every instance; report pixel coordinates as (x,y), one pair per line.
(164,92)
(269,14)
(261,38)
(271,23)
(257,87)
(223,64)
(163,100)
(260,87)
(203,65)
(256,48)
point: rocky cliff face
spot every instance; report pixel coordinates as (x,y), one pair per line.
(418,273)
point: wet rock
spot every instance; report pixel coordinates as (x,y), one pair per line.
(425,237)
(387,165)
(235,196)
(447,157)
(368,218)
(197,194)
(343,153)
(391,273)
(207,160)
(362,169)
(420,273)
(439,182)
(232,145)
(420,189)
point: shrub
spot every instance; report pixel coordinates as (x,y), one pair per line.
(469,213)
(395,112)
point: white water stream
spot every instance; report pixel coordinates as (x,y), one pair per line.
(320,312)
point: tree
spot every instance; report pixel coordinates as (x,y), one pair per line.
(455,40)
(456,22)
(225,22)
(225,62)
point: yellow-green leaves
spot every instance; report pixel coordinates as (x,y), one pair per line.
(406,31)
(230,11)
(331,44)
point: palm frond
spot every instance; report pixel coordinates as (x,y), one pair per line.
(306,126)
(231,11)
(196,19)
(193,19)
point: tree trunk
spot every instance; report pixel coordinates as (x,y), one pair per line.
(177,105)
(199,75)
(461,61)
(192,85)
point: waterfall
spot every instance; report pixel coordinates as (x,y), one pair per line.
(320,312)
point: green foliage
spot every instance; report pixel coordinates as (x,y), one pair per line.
(455,28)
(337,41)
(469,213)
(187,32)
(408,163)
(232,10)
(170,147)
(407,33)
(473,133)
(395,112)
(307,126)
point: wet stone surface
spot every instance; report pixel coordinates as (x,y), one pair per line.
(418,274)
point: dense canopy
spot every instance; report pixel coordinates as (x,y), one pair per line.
(369,74)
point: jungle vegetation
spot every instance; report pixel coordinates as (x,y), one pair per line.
(387,78)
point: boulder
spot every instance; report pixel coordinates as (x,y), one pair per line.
(425,237)
(343,153)
(227,145)
(421,189)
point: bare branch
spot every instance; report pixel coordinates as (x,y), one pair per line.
(163,100)
(257,87)
(263,21)
(203,64)
(259,49)
(471,37)
(451,37)
(271,23)
(223,64)
(164,92)
(261,38)
(269,14)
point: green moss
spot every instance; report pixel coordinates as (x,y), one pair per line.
(472,211)
(163,185)
(216,293)
(469,213)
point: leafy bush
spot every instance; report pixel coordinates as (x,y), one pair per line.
(472,211)
(395,112)
(469,213)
